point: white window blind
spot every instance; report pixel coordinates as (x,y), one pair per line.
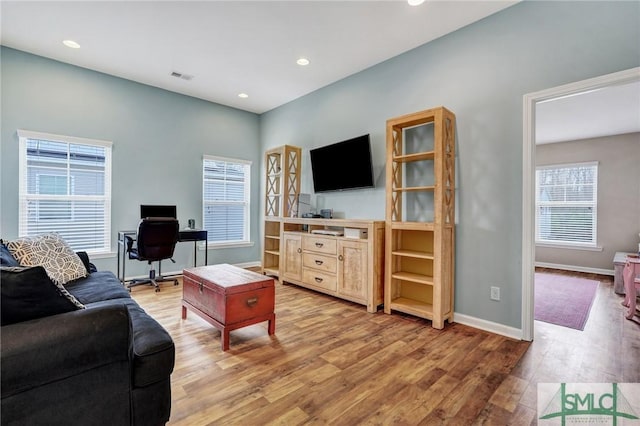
(566,204)
(65,187)
(226,199)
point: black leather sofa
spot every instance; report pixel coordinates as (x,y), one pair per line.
(107,364)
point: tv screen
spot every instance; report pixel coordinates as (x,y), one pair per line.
(343,165)
(147,210)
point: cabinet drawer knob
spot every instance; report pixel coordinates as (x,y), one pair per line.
(340,258)
(319,262)
(252,301)
(318,279)
(200,288)
(319,244)
(299,250)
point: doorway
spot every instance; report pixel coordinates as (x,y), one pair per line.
(528,177)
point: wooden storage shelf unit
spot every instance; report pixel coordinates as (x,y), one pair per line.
(282,180)
(419,252)
(348,268)
(271,250)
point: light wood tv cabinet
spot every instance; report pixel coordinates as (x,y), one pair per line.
(348,268)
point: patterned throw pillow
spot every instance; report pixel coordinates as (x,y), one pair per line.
(52,253)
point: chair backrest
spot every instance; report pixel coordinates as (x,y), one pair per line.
(157,238)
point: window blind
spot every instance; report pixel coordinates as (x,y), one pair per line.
(566,204)
(65,187)
(226,199)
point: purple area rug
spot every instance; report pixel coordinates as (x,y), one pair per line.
(563,300)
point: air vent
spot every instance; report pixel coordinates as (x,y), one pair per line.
(180,75)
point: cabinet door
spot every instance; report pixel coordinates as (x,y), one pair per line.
(292,260)
(352,269)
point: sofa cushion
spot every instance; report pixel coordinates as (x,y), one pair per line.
(153,348)
(98,286)
(6,258)
(51,252)
(28,293)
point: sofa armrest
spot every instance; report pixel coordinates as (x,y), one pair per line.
(44,350)
(90,267)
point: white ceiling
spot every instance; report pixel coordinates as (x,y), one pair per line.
(612,110)
(230,47)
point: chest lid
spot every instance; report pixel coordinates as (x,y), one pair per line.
(228,278)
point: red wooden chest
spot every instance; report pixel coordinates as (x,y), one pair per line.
(228,297)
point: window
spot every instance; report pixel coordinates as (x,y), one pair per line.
(65,187)
(566,204)
(225,200)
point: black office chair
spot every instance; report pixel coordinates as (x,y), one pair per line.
(156,240)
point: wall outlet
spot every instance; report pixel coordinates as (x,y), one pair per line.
(495,293)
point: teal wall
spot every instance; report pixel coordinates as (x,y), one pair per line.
(481,73)
(159,138)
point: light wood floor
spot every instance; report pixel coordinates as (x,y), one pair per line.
(330,362)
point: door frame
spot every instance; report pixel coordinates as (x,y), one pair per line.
(528,176)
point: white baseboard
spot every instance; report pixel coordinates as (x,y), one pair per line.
(492,327)
(575,268)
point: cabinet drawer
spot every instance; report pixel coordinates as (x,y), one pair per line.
(319,262)
(319,245)
(319,279)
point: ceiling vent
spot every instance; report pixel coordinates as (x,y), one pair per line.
(180,75)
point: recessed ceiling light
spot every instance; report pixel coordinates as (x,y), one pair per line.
(415,2)
(243,95)
(72,44)
(302,61)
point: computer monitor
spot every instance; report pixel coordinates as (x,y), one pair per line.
(147,210)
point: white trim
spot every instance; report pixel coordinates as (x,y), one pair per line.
(588,270)
(60,138)
(569,246)
(561,165)
(528,174)
(226,159)
(214,246)
(492,327)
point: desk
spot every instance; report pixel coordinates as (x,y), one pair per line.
(185,235)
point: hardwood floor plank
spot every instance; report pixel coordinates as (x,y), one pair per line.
(331,362)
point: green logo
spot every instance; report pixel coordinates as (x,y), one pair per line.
(565,405)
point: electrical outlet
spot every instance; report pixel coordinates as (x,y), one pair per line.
(495,293)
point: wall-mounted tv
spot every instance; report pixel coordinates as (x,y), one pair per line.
(147,210)
(343,165)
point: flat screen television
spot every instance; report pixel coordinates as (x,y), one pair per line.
(148,210)
(342,166)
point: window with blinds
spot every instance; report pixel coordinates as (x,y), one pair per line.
(65,187)
(566,204)
(226,200)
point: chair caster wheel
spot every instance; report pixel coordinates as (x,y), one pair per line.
(175,283)
(157,290)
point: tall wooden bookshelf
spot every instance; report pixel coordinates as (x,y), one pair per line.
(420,215)
(282,169)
